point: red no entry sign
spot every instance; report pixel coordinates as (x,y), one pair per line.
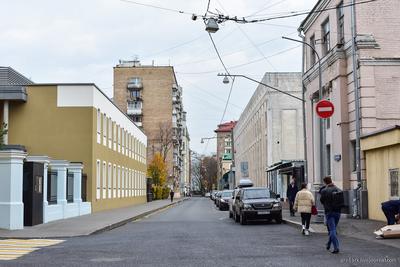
(324,109)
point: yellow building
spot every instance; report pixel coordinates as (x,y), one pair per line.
(382,151)
(79,123)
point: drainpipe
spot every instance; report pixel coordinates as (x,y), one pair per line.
(357,102)
(304,109)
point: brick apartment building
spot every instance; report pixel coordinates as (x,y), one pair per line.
(224,148)
(152,98)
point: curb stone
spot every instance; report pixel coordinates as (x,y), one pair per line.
(134,218)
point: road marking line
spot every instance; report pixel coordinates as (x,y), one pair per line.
(11,249)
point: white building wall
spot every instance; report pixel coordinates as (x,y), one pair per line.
(270,128)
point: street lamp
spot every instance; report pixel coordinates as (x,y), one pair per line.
(211,25)
(208,138)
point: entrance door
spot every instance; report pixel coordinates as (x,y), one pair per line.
(33,193)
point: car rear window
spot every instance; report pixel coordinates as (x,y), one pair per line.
(227,194)
(256,193)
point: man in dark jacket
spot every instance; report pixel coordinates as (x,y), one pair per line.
(332,212)
(291,195)
(391,209)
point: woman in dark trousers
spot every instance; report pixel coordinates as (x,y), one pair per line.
(303,204)
(171,194)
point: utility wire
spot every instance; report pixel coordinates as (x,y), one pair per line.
(234,52)
(241,65)
(156,7)
(216,50)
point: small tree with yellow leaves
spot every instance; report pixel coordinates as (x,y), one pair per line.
(157,170)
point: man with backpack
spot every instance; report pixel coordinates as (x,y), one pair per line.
(333,200)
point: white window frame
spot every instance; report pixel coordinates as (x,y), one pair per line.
(104,182)
(109,121)
(109,184)
(104,129)
(115,136)
(114,181)
(119,181)
(98,126)
(123,182)
(98,180)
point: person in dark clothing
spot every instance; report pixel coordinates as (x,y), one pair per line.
(391,209)
(171,194)
(291,195)
(332,212)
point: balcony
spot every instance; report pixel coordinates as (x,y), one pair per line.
(135,84)
(134,111)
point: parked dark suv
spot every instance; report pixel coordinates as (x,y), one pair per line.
(257,203)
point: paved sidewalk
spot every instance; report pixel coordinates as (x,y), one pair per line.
(89,224)
(360,229)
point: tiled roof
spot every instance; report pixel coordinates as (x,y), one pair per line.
(8,76)
(226,127)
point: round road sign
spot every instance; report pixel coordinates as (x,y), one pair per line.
(324,108)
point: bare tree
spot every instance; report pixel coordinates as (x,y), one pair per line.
(209,172)
(163,142)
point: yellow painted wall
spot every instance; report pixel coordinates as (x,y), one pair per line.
(378,162)
(67,133)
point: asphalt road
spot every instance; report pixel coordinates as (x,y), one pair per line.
(195,233)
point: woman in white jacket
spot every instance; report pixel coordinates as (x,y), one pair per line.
(303,204)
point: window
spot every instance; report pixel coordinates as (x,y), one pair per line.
(228,150)
(52,187)
(340,18)
(98,179)
(115,136)
(122,141)
(109,133)
(353,163)
(328,159)
(70,187)
(135,94)
(394,182)
(312,52)
(114,181)
(136,118)
(119,138)
(109,180)
(98,126)
(104,129)
(119,181)
(325,38)
(134,104)
(123,182)
(104,180)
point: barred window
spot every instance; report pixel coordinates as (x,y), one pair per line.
(394,182)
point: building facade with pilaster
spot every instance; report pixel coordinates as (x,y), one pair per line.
(372,100)
(70,125)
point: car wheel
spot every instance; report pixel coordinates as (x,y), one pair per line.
(243,220)
(219,207)
(278,220)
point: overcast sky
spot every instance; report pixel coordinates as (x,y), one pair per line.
(81,40)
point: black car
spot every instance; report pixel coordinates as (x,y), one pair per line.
(257,203)
(223,203)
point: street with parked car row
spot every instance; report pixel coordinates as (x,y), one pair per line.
(196,233)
